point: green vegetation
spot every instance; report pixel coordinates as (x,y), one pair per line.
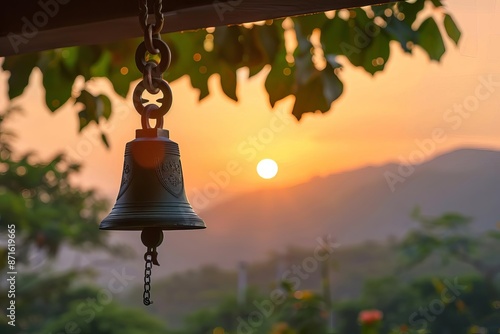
(309,69)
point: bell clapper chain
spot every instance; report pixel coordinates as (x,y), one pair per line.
(152,82)
(151,238)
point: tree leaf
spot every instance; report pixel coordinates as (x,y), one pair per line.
(359,39)
(20,68)
(88,56)
(310,22)
(201,83)
(309,98)
(262,46)
(452,29)
(410,10)
(228,81)
(254,70)
(58,82)
(70,58)
(304,66)
(402,32)
(228,45)
(323,88)
(379,10)
(198,69)
(122,69)
(94,107)
(376,55)
(104,139)
(332,86)
(101,68)
(334,35)
(430,39)
(280,80)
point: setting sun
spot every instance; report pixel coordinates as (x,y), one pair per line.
(267,168)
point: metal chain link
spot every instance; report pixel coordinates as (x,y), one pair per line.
(146,296)
(152,69)
(144,15)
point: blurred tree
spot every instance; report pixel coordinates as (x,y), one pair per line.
(111,319)
(287,312)
(302,312)
(227,317)
(46,209)
(42,297)
(449,236)
(49,212)
(308,69)
(411,308)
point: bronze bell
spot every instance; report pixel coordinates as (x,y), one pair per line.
(152,196)
(152,188)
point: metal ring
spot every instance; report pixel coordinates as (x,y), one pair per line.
(166,100)
(148,111)
(166,56)
(150,76)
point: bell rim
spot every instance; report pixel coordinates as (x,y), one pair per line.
(120,225)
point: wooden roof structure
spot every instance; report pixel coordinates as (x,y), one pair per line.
(35,25)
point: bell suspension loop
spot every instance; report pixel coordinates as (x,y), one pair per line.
(152,58)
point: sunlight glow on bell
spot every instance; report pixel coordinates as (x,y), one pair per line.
(267,168)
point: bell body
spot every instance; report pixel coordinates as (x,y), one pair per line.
(152,187)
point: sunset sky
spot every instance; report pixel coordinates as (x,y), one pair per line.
(377,120)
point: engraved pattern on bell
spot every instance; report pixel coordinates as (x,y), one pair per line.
(170,175)
(126,177)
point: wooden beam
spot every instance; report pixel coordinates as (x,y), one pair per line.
(35,25)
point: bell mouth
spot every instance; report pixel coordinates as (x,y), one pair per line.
(140,228)
(122,225)
(136,217)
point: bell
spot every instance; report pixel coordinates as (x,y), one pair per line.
(152,192)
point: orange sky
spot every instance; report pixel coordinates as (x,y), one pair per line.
(378,119)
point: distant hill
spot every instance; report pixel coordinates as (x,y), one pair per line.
(352,206)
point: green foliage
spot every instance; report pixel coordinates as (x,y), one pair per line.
(59,303)
(430,39)
(46,209)
(292,312)
(95,108)
(44,296)
(449,236)
(406,307)
(109,319)
(302,312)
(452,29)
(362,37)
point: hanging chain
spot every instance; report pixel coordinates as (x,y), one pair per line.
(152,59)
(151,258)
(146,296)
(151,238)
(144,15)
